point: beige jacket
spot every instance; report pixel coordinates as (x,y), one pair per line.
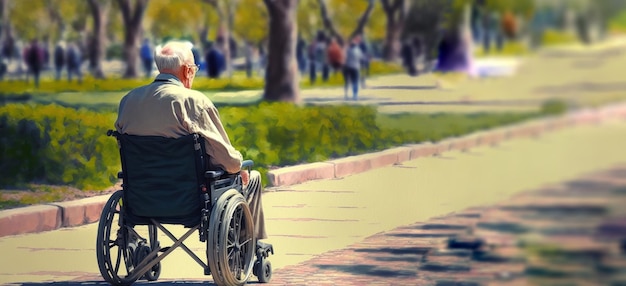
(166,108)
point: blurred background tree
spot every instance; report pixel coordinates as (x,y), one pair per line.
(112,29)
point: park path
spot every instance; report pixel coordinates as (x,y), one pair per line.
(315,222)
(575,74)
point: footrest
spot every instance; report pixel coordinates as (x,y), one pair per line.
(264,249)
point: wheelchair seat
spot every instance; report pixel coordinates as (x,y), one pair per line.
(165,181)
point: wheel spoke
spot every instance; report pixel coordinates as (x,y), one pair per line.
(117,260)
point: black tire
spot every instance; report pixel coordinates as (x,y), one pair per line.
(154,272)
(110,262)
(231,243)
(264,272)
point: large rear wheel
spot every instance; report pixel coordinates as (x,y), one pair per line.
(113,254)
(231,243)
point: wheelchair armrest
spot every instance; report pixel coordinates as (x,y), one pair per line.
(213,174)
(219,173)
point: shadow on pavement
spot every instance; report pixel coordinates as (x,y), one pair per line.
(404,87)
(143,282)
(396,251)
(370,270)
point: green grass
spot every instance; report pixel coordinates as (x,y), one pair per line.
(419,127)
(554,37)
(509,49)
(31,194)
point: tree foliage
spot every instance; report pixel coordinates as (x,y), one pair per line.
(186,21)
(251,21)
(52,19)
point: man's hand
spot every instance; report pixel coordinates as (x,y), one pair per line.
(245,177)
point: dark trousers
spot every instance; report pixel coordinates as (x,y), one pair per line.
(312,72)
(147,66)
(351,77)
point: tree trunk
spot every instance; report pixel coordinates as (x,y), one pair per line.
(132,21)
(224,45)
(395,10)
(392,45)
(97,43)
(281,77)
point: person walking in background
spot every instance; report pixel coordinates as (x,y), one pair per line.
(59,59)
(335,55)
(35,60)
(418,54)
(301,54)
(261,58)
(147,57)
(312,62)
(3,67)
(352,68)
(408,57)
(318,57)
(365,61)
(215,61)
(251,58)
(74,61)
(323,55)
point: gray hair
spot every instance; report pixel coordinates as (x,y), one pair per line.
(173,55)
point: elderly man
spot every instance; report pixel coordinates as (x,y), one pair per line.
(168,107)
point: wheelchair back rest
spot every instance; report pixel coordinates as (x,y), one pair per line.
(162,176)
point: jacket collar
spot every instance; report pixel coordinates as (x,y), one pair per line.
(166,77)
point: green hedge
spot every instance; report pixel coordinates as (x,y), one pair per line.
(51,144)
(56,145)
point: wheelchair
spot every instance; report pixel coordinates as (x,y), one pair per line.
(165,182)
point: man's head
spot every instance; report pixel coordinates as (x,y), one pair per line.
(176,58)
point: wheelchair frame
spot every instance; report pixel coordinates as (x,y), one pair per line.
(224,223)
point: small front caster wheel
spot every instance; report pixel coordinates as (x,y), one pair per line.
(263,270)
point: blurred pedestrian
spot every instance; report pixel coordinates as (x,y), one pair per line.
(147,57)
(352,68)
(74,62)
(251,58)
(261,58)
(318,57)
(233,47)
(335,55)
(215,61)
(59,59)
(408,57)
(365,61)
(418,54)
(35,60)
(509,25)
(312,61)
(301,54)
(3,67)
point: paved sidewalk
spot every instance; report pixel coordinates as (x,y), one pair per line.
(572,233)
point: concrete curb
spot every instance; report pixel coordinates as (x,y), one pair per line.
(83,211)
(356,164)
(46,217)
(30,219)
